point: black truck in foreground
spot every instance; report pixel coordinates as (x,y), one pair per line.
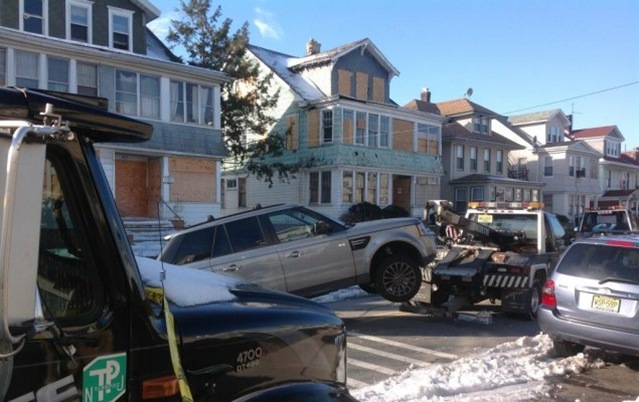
(81,318)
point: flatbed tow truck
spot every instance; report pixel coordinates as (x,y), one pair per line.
(497,251)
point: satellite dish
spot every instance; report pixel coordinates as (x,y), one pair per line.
(469,92)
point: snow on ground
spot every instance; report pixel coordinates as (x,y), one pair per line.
(513,371)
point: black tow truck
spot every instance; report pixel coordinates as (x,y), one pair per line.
(496,251)
(82,318)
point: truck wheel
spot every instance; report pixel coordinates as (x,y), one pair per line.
(398,279)
(567,349)
(535,299)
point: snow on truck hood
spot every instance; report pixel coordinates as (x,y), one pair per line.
(187,287)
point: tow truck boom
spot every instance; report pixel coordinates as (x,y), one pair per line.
(505,240)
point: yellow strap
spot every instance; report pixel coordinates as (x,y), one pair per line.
(157,296)
(175,356)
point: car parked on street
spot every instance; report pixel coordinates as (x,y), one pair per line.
(297,250)
(592,296)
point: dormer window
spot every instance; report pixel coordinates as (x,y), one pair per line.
(555,134)
(481,124)
(79,21)
(120,28)
(33,16)
(613,148)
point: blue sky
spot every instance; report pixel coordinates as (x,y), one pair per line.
(518,56)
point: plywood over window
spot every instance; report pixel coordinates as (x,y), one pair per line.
(292,133)
(378,89)
(361,85)
(344,80)
(402,135)
(194,179)
(347,127)
(313,128)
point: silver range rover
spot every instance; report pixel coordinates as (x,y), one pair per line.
(297,250)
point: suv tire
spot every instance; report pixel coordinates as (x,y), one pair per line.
(398,278)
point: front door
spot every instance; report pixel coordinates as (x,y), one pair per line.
(401,192)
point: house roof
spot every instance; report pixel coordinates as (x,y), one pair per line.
(455,131)
(151,11)
(483,178)
(279,63)
(535,117)
(456,107)
(593,132)
(330,56)
(156,49)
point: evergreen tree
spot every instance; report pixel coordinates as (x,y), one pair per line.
(209,43)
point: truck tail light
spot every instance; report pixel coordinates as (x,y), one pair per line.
(548,299)
(162,387)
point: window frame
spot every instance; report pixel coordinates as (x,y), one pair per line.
(473,159)
(327,126)
(86,5)
(548,168)
(499,161)
(18,70)
(60,86)
(121,13)
(459,157)
(44,17)
(487,152)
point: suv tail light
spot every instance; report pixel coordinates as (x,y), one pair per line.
(548,299)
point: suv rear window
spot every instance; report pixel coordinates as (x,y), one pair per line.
(601,261)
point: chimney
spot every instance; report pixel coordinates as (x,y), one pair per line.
(312,47)
(425,95)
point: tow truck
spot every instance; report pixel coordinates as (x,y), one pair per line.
(83,318)
(497,251)
(610,219)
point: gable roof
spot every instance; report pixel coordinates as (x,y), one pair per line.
(537,117)
(330,56)
(456,107)
(455,131)
(279,63)
(595,132)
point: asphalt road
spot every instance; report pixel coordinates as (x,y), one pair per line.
(385,339)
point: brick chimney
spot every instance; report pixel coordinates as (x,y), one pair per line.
(425,95)
(312,47)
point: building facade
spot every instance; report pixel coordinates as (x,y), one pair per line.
(352,142)
(103,48)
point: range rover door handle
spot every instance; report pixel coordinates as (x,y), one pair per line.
(231,268)
(294,254)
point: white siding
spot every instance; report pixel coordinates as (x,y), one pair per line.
(107,159)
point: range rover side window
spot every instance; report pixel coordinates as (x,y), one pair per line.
(195,246)
(245,234)
(68,284)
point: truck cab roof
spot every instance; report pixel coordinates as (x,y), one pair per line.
(87,116)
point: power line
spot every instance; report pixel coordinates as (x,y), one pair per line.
(575,97)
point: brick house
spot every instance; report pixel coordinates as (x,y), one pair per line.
(103,48)
(353,143)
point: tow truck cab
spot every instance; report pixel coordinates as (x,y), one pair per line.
(82,317)
(615,218)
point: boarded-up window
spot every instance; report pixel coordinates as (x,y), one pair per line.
(378,89)
(361,86)
(344,83)
(347,126)
(313,128)
(402,135)
(292,133)
(194,179)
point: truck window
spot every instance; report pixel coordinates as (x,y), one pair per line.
(67,282)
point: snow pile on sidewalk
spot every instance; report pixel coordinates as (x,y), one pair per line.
(514,371)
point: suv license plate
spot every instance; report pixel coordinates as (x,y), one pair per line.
(606,303)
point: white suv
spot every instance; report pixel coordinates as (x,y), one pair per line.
(297,250)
